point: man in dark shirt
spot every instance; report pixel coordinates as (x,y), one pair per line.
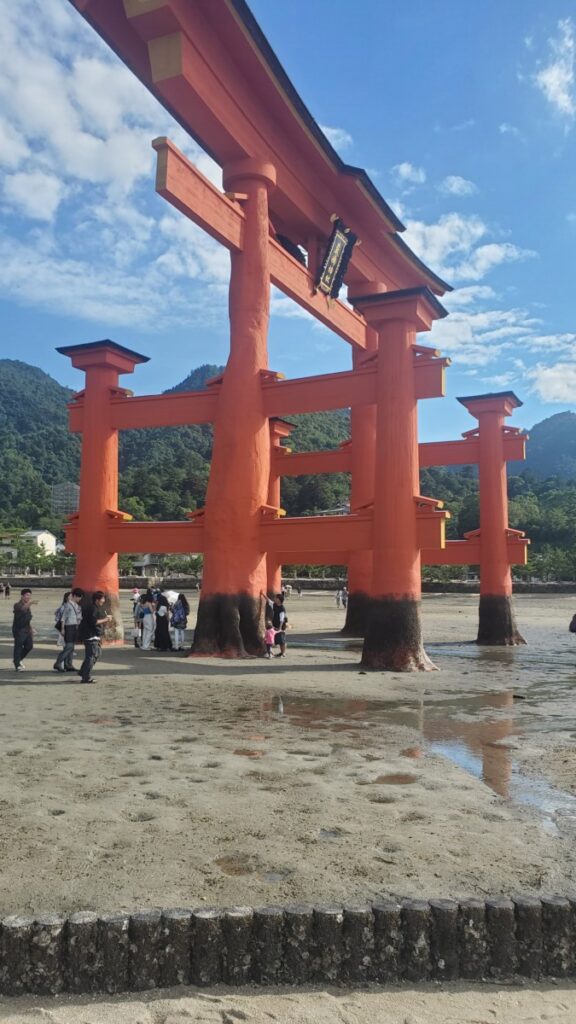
(90,631)
(22,629)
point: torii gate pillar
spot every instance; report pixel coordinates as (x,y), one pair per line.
(497,625)
(96,565)
(230,611)
(279,429)
(393,639)
(363,447)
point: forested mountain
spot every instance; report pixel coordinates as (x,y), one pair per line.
(164,471)
(551,450)
(36,449)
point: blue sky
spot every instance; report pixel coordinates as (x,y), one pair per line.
(464,114)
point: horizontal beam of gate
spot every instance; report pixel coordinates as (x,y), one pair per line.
(183,185)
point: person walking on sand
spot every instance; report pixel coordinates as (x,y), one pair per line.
(70,620)
(90,631)
(180,613)
(22,628)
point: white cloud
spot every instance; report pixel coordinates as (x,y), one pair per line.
(407,174)
(454,185)
(34,194)
(451,236)
(13,148)
(555,383)
(551,343)
(337,137)
(509,129)
(467,296)
(557,79)
(486,257)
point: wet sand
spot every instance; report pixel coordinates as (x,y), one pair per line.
(444,1004)
(175,781)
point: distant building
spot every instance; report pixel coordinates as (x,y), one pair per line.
(8,542)
(146,565)
(42,539)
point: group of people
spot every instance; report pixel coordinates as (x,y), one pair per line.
(5,589)
(82,619)
(155,613)
(78,619)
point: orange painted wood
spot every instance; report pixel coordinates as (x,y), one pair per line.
(153,411)
(315,394)
(317,534)
(186,188)
(462,453)
(199,59)
(430,529)
(362,454)
(395,547)
(234,559)
(278,431)
(467,552)
(430,378)
(128,538)
(295,281)
(491,412)
(96,559)
(183,185)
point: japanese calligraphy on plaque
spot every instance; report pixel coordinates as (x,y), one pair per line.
(336,259)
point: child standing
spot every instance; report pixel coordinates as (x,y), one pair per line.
(269,637)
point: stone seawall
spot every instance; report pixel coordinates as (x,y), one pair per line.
(414,940)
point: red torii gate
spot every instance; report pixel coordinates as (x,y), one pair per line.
(209,64)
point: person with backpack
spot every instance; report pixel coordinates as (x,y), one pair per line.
(179,621)
(70,617)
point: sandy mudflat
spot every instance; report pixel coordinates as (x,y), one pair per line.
(175,781)
(447,1004)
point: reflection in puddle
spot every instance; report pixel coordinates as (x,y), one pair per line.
(475,731)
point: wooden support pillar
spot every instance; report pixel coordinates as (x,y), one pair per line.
(363,447)
(497,625)
(230,613)
(393,640)
(278,429)
(96,564)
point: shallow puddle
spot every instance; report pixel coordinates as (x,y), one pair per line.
(395,779)
(236,864)
(475,730)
